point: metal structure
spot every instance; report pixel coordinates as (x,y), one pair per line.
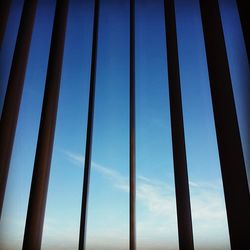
(40,178)
(88,149)
(232,163)
(14,92)
(243,7)
(132,179)
(4,13)
(178,140)
(233,167)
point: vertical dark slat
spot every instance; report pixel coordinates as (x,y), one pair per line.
(40,179)
(228,137)
(88,150)
(4,13)
(177,127)
(14,92)
(244,10)
(132,180)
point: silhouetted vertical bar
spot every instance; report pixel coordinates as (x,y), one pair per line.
(243,8)
(227,130)
(4,13)
(14,92)
(88,150)
(40,178)
(132,181)
(177,127)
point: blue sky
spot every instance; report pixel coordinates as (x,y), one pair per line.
(108,214)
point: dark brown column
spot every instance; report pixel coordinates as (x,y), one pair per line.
(4,13)
(227,130)
(14,92)
(243,7)
(40,178)
(132,180)
(178,138)
(88,150)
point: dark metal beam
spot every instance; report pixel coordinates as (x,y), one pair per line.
(14,92)
(4,13)
(88,150)
(243,8)
(177,127)
(41,172)
(228,137)
(132,179)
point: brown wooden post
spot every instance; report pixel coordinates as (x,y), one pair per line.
(4,13)
(14,92)
(178,139)
(228,137)
(88,150)
(243,8)
(132,178)
(40,178)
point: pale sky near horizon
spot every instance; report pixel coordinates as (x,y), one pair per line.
(108,213)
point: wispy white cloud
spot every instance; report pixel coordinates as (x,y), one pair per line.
(76,159)
(193,184)
(157,200)
(114,176)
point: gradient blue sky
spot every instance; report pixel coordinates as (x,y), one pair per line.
(108,214)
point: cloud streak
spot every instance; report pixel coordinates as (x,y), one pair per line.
(157,201)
